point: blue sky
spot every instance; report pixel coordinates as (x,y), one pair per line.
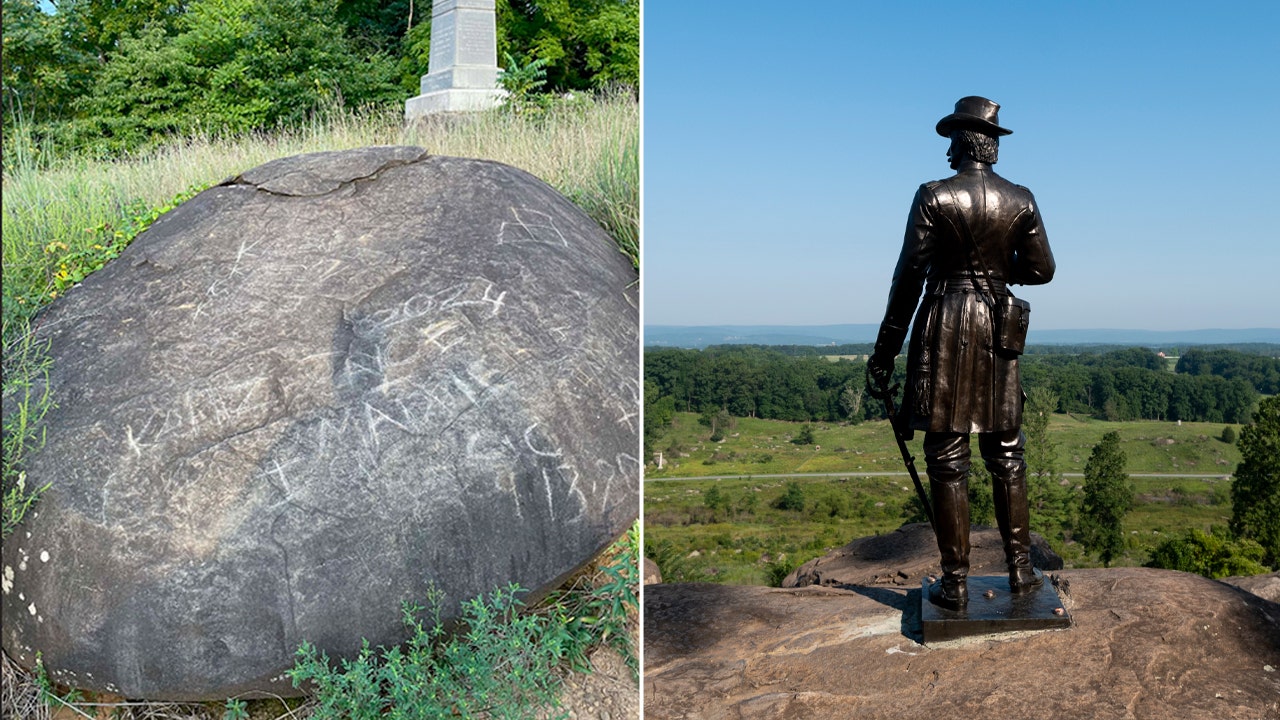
(783,144)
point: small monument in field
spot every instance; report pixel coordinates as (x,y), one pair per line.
(462,73)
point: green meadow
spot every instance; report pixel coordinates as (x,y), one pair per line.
(741,536)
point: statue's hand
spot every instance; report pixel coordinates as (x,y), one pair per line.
(879,372)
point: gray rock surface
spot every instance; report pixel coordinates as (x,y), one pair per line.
(305,396)
(1265,586)
(1145,644)
(651,572)
(906,555)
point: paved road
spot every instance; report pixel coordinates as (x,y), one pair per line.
(903,473)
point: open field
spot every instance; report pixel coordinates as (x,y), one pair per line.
(756,447)
(744,539)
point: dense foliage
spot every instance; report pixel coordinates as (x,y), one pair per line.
(1255,494)
(1260,371)
(1125,384)
(1213,554)
(110,76)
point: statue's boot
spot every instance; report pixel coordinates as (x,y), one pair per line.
(1009,486)
(951,524)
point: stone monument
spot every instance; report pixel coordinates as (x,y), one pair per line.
(462,73)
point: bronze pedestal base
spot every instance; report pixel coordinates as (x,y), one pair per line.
(1001,612)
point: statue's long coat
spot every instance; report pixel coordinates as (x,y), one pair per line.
(956,380)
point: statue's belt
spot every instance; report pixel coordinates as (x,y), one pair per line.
(965,284)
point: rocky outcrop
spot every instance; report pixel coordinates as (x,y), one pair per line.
(906,555)
(309,394)
(1147,644)
(1266,586)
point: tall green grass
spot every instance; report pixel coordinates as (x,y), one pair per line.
(588,149)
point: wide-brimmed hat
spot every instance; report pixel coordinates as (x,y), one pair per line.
(973,113)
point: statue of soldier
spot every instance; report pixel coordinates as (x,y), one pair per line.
(968,237)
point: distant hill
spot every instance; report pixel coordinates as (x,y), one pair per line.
(701,336)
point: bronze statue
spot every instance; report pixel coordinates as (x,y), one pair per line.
(968,238)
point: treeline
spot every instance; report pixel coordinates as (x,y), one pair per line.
(1128,384)
(102,77)
(1263,373)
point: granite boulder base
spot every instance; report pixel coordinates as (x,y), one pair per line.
(309,394)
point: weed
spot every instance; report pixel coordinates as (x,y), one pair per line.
(498,661)
(26,402)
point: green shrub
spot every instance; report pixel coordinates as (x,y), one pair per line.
(1213,554)
(792,498)
(498,662)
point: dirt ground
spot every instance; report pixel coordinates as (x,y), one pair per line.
(609,692)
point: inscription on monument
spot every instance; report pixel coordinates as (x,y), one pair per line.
(463,70)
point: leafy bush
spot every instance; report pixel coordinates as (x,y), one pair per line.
(779,570)
(1214,554)
(499,662)
(791,499)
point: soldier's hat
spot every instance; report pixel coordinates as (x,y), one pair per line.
(973,113)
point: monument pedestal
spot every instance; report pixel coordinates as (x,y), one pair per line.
(463,68)
(1002,612)
(452,100)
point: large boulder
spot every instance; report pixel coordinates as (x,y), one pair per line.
(306,396)
(906,555)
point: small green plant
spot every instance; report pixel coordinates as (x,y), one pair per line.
(498,662)
(523,82)
(68,267)
(236,709)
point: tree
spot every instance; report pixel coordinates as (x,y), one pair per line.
(44,69)
(1255,492)
(1048,500)
(851,402)
(1108,496)
(792,498)
(714,499)
(719,420)
(658,412)
(982,503)
(586,43)
(230,65)
(804,436)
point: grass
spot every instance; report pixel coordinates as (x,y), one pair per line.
(587,149)
(756,447)
(63,219)
(748,541)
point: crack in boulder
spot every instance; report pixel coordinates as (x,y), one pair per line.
(321,173)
